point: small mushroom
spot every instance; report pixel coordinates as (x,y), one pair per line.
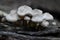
(12,16)
(27,19)
(23,10)
(48,16)
(45,23)
(37,19)
(36,12)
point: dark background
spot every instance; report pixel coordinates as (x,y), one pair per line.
(52,6)
(49,4)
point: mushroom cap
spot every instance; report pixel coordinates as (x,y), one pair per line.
(38,18)
(45,23)
(48,16)
(12,16)
(36,12)
(23,10)
(26,18)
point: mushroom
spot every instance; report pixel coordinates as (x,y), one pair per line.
(36,12)
(48,16)
(45,23)
(27,19)
(23,10)
(37,19)
(12,16)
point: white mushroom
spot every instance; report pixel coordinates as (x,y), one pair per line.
(54,23)
(27,18)
(45,23)
(36,12)
(38,19)
(12,16)
(23,10)
(48,16)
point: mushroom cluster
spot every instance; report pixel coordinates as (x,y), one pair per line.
(28,16)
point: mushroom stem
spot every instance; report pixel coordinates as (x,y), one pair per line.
(27,21)
(27,18)
(37,25)
(21,20)
(21,17)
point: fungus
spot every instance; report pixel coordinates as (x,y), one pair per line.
(48,16)
(45,23)
(23,10)
(36,12)
(37,19)
(12,16)
(27,19)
